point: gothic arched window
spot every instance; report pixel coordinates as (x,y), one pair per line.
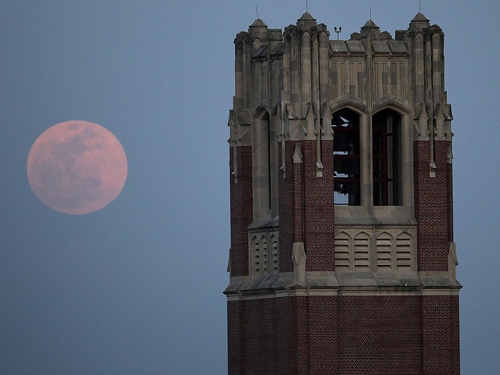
(265,166)
(387,158)
(346,158)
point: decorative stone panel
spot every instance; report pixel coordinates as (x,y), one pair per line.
(361,256)
(376,250)
(263,252)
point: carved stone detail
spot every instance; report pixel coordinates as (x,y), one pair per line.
(263,254)
(452,262)
(299,264)
(421,123)
(377,250)
(297,154)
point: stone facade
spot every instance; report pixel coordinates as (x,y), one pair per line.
(342,258)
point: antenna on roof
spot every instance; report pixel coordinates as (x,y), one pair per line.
(338,31)
(370,13)
(307,7)
(420,7)
(257,11)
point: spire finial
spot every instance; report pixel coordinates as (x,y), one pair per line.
(420,7)
(307,6)
(370,13)
(257,11)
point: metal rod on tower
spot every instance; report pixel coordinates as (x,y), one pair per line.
(257,11)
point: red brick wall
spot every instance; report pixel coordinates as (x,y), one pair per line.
(241,210)
(298,199)
(323,335)
(433,206)
(284,342)
(306,207)
(260,336)
(300,331)
(379,335)
(289,335)
(348,335)
(319,208)
(440,330)
(345,335)
(235,340)
(449,189)
(287,211)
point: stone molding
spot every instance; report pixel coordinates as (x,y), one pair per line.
(342,284)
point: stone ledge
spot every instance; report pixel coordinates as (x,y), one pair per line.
(267,286)
(380,215)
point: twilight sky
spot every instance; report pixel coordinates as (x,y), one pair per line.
(136,288)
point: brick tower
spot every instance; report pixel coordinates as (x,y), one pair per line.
(342,258)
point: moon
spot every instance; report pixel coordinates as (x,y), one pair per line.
(77,167)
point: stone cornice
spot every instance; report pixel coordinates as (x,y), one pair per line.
(343,283)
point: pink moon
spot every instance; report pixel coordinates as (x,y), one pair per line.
(77,167)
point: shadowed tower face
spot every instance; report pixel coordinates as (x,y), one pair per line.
(342,258)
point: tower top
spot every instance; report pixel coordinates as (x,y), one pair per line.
(307,20)
(420,18)
(258,23)
(370,25)
(419,22)
(370,28)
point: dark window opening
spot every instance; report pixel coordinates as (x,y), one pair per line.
(386,127)
(346,158)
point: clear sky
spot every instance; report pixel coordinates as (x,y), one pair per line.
(136,288)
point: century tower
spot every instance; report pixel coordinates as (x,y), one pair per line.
(342,256)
